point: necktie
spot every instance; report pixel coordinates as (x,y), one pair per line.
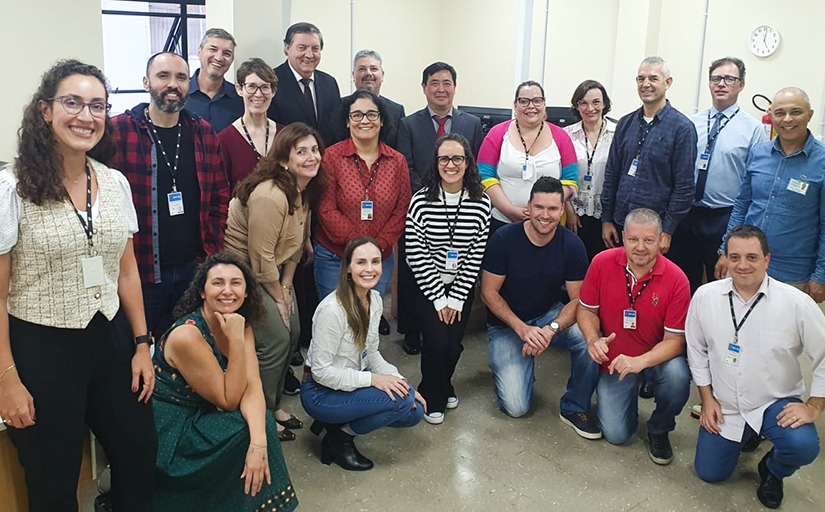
(442,122)
(308,98)
(702,179)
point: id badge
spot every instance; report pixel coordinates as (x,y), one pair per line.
(629,319)
(528,169)
(366,210)
(588,181)
(704,159)
(175,203)
(363,360)
(800,187)
(93,274)
(451,263)
(634,166)
(732,356)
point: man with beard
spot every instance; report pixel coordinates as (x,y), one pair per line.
(525,266)
(211,96)
(172,160)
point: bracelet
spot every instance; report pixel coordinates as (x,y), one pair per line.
(7,370)
(261,446)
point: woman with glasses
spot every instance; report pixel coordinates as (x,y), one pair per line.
(445,237)
(516,153)
(591,137)
(74,347)
(368,192)
(266,228)
(248,138)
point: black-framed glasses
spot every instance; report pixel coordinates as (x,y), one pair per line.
(457,160)
(538,101)
(73,106)
(371,115)
(729,80)
(251,89)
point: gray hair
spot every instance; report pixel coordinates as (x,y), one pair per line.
(220,34)
(644,217)
(655,60)
(368,53)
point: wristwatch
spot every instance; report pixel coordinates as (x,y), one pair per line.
(146,338)
(554,326)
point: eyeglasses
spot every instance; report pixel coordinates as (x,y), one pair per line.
(72,105)
(586,104)
(538,101)
(457,160)
(729,80)
(371,115)
(252,89)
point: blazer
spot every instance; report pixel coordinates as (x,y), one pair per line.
(416,139)
(289,106)
(395,112)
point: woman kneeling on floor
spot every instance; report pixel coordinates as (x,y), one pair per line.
(348,387)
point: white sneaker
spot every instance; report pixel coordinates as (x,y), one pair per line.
(696,411)
(434,418)
(452,402)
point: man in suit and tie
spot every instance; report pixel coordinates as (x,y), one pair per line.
(368,73)
(417,136)
(304,93)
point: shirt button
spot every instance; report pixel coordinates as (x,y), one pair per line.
(97,295)
(94,231)
(94,253)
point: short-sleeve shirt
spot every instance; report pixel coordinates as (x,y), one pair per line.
(533,275)
(661,307)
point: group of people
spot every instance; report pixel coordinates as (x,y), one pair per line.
(217,214)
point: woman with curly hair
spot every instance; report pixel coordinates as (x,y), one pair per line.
(267,228)
(209,406)
(69,286)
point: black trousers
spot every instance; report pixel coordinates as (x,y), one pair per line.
(80,377)
(406,291)
(696,241)
(591,235)
(441,348)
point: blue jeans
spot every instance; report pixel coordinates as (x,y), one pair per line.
(328,266)
(716,457)
(364,409)
(159,299)
(514,373)
(618,405)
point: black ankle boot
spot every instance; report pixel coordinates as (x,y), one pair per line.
(338,446)
(317,427)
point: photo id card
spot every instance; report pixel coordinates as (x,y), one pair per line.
(528,169)
(366,210)
(93,274)
(363,360)
(175,203)
(800,187)
(704,158)
(732,356)
(634,166)
(588,181)
(629,319)
(451,262)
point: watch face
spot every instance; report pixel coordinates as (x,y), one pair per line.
(763,41)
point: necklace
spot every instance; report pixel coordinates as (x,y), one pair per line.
(251,143)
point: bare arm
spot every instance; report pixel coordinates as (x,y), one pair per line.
(253,410)
(131,300)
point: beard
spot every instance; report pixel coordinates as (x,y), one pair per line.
(170,107)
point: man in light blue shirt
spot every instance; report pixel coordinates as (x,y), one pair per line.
(725,134)
(783,194)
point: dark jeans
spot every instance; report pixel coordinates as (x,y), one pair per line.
(696,241)
(159,299)
(81,377)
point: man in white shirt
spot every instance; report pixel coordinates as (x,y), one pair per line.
(744,336)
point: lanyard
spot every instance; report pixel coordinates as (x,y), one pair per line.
(630,296)
(721,127)
(590,155)
(373,174)
(173,170)
(524,144)
(738,326)
(87,224)
(251,143)
(451,226)
(646,127)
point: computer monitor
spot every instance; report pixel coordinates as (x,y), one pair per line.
(489,116)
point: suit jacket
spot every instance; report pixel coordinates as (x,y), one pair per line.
(289,106)
(416,139)
(395,112)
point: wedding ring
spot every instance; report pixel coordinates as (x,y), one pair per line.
(7,422)
(795,418)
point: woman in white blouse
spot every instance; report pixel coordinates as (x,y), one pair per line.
(68,285)
(348,387)
(591,137)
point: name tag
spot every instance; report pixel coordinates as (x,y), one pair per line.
(800,187)
(93,274)
(363,360)
(588,181)
(704,158)
(366,210)
(732,356)
(528,169)
(629,319)
(634,166)
(451,262)
(175,200)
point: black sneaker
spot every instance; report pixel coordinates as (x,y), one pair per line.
(383,327)
(412,343)
(752,444)
(660,450)
(292,386)
(297,359)
(646,389)
(583,423)
(769,492)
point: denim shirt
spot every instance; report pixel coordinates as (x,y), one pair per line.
(792,220)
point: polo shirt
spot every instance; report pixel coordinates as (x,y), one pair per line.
(661,307)
(220,111)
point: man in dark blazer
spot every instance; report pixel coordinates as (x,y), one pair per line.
(417,136)
(368,73)
(302,46)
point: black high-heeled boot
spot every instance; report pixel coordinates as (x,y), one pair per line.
(338,446)
(317,427)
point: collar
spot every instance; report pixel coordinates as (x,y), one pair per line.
(728,111)
(348,148)
(806,149)
(609,126)
(727,287)
(297,75)
(660,114)
(138,113)
(227,89)
(658,266)
(432,113)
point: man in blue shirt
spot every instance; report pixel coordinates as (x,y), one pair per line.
(726,134)
(651,159)
(210,95)
(783,194)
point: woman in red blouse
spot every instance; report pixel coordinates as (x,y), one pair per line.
(368,192)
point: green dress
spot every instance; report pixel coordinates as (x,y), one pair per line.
(202,450)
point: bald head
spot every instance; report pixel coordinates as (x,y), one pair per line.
(790,114)
(793,93)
